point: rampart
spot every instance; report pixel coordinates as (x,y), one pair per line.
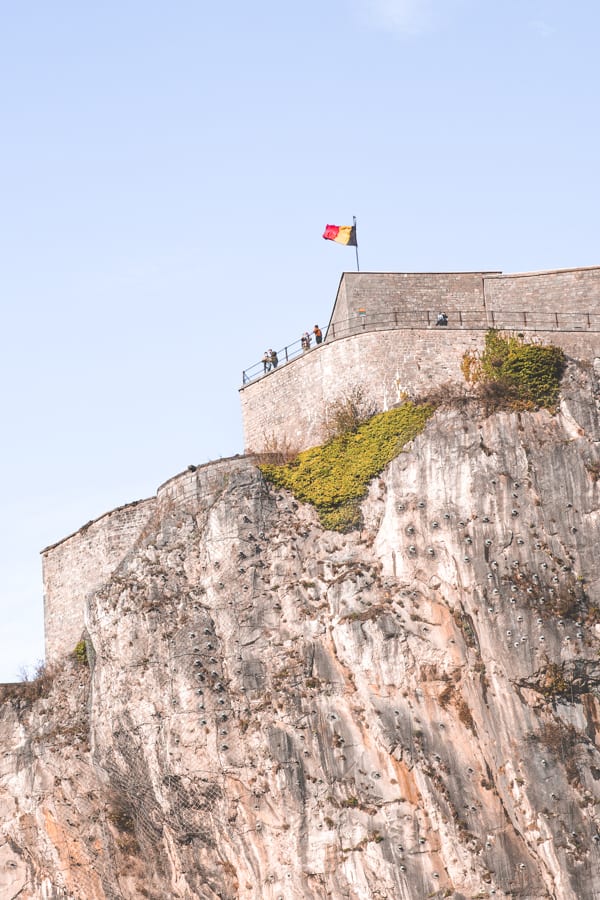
(80,564)
(382,337)
(77,566)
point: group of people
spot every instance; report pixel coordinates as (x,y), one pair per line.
(270,360)
(442,319)
(306,338)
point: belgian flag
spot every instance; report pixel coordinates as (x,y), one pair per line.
(341,234)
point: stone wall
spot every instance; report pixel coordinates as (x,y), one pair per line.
(564,291)
(80,564)
(199,486)
(289,407)
(379,292)
(382,338)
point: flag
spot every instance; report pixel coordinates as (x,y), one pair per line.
(341,234)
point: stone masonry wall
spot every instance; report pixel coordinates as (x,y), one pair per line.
(381,338)
(288,408)
(380,292)
(199,486)
(80,564)
(561,300)
(566,291)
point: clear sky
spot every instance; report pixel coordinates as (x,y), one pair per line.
(167,172)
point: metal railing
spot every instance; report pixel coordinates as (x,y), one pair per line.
(470,320)
(259,369)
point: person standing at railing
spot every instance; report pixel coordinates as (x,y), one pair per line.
(274,359)
(266,361)
(318,334)
(442,319)
(305,341)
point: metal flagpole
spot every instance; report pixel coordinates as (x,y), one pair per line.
(356,245)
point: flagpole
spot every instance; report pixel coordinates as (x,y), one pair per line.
(356,245)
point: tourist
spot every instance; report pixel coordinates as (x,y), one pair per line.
(266,361)
(318,334)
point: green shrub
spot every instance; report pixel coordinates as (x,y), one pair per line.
(526,375)
(80,653)
(335,476)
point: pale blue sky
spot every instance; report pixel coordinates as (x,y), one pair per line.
(167,172)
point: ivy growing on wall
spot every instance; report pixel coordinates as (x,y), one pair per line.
(524,375)
(335,476)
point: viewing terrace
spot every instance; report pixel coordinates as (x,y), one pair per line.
(532,322)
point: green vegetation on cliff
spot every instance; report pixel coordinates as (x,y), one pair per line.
(335,476)
(524,376)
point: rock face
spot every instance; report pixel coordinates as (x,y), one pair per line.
(271,710)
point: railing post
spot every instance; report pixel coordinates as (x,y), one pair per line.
(556,318)
(493,321)
(285,349)
(525,319)
(460,317)
(428,319)
(396,317)
(588,319)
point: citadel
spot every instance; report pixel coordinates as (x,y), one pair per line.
(382,336)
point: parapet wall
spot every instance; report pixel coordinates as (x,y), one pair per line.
(198,487)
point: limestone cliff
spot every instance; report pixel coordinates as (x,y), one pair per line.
(271,710)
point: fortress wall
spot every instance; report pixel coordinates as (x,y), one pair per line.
(562,291)
(80,564)
(385,292)
(583,346)
(288,407)
(199,488)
